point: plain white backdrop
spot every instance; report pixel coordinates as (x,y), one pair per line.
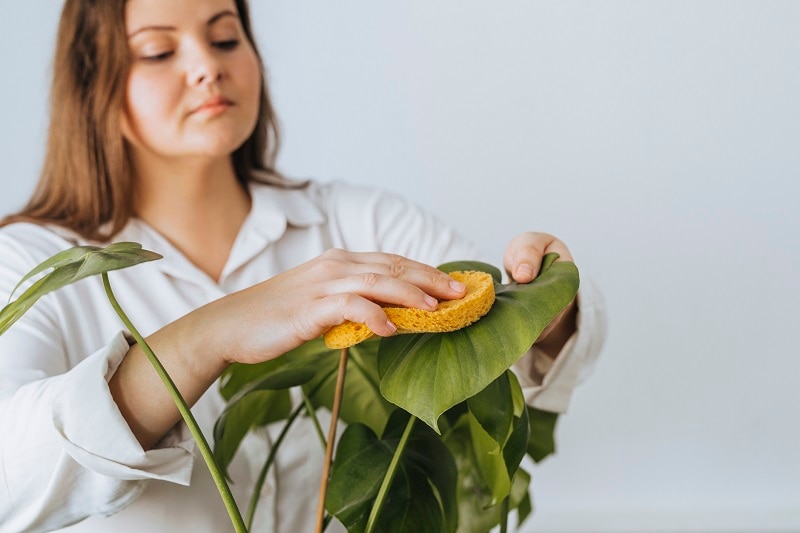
(659,140)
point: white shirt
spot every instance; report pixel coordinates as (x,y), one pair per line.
(66,453)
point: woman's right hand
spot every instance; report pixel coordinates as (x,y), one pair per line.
(281,313)
(266,321)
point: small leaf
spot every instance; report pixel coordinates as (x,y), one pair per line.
(473,494)
(516,393)
(516,446)
(68,267)
(520,498)
(492,465)
(66,257)
(493,408)
(541,442)
(525,507)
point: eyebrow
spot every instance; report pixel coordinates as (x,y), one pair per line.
(211,21)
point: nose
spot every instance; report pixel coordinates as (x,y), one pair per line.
(205,67)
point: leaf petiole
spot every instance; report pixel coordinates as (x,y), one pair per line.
(186,413)
(389,477)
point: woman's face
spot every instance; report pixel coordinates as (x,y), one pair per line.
(194,83)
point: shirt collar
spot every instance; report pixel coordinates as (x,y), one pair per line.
(272,211)
(273,208)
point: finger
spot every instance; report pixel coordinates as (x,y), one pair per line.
(386,289)
(430,280)
(337,308)
(524,254)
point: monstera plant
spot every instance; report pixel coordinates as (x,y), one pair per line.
(436,423)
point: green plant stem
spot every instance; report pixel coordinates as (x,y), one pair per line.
(313,415)
(389,477)
(504,515)
(262,476)
(186,413)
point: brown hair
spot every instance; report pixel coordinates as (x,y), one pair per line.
(86,183)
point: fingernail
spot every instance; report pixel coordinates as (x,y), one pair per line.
(432,302)
(458,286)
(524,270)
(391,326)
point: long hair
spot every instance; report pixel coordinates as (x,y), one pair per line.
(86,183)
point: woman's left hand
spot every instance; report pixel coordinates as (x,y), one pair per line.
(522,260)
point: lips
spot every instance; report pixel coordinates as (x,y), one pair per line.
(215,103)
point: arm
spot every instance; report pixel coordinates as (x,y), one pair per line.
(67,451)
(265,321)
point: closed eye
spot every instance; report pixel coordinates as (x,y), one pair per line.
(158,57)
(227,45)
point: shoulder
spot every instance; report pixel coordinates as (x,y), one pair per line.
(343,199)
(29,243)
(312,201)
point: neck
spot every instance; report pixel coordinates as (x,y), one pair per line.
(199,206)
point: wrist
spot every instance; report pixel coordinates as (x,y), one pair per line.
(556,335)
(202,344)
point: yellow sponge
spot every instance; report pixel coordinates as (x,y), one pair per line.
(449,316)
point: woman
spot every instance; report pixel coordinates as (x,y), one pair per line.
(162,133)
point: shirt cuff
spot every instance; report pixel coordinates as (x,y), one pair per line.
(94,433)
(548,384)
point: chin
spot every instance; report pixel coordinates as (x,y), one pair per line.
(220,146)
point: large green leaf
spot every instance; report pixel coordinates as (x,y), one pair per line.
(68,267)
(422,496)
(429,456)
(426,374)
(356,475)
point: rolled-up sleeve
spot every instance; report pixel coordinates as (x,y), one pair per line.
(548,383)
(67,453)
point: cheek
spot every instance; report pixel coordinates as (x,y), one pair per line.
(148,102)
(251,78)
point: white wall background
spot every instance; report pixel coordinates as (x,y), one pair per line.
(660,140)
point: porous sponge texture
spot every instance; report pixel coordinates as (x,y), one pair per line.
(449,316)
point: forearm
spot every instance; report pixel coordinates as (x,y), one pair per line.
(187,350)
(548,383)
